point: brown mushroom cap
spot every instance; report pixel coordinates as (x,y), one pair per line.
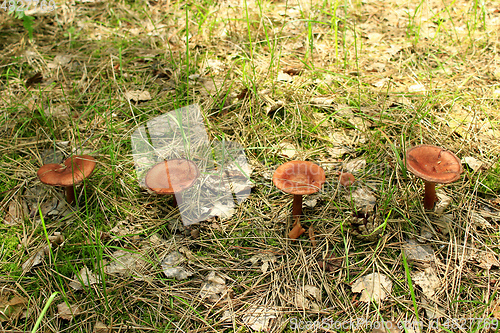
(299,177)
(172,176)
(433,164)
(74,171)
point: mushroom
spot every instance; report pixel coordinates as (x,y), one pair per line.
(433,165)
(299,178)
(346,179)
(172,177)
(74,171)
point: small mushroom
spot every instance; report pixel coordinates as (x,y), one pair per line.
(171,177)
(74,171)
(299,178)
(346,179)
(433,165)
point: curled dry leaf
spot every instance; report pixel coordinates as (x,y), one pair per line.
(138,95)
(259,318)
(443,202)
(266,259)
(433,310)
(35,259)
(474,163)
(308,297)
(296,231)
(428,280)
(311,203)
(214,287)
(373,287)
(84,278)
(68,312)
(171,266)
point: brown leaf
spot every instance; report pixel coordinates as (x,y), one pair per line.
(10,309)
(67,313)
(37,78)
(293,71)
(296,231)
(18,209)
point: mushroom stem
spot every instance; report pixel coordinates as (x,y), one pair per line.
(177,200)
(297,205)
(429,195)
(70,194)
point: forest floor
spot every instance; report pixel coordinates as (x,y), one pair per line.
(347,85)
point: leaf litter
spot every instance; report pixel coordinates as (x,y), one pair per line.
(373,287)
(171,266)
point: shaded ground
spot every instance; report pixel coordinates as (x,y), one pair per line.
(327,82)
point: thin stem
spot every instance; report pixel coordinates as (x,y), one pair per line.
(70,194)
(297,205)
(430,195)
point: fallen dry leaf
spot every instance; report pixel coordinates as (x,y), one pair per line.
(363,199)
(100,327)
(259,318)
(214,287)
(296,231)
(266,259)
(84,278)
(17,211)
(138,95)
(474,163)
(68,312)
(478,221)
(443,202)
(59,60)
(308,297)
(287,149)
(284,77)
(356,165)
(11,309)
(428,280)
(223,211)
(373,287)
(311,203)
(486,260)
(35,259)
(415,251)
(171,266)
(496,310)
(123,263)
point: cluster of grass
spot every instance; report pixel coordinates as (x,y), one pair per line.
(441,87)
